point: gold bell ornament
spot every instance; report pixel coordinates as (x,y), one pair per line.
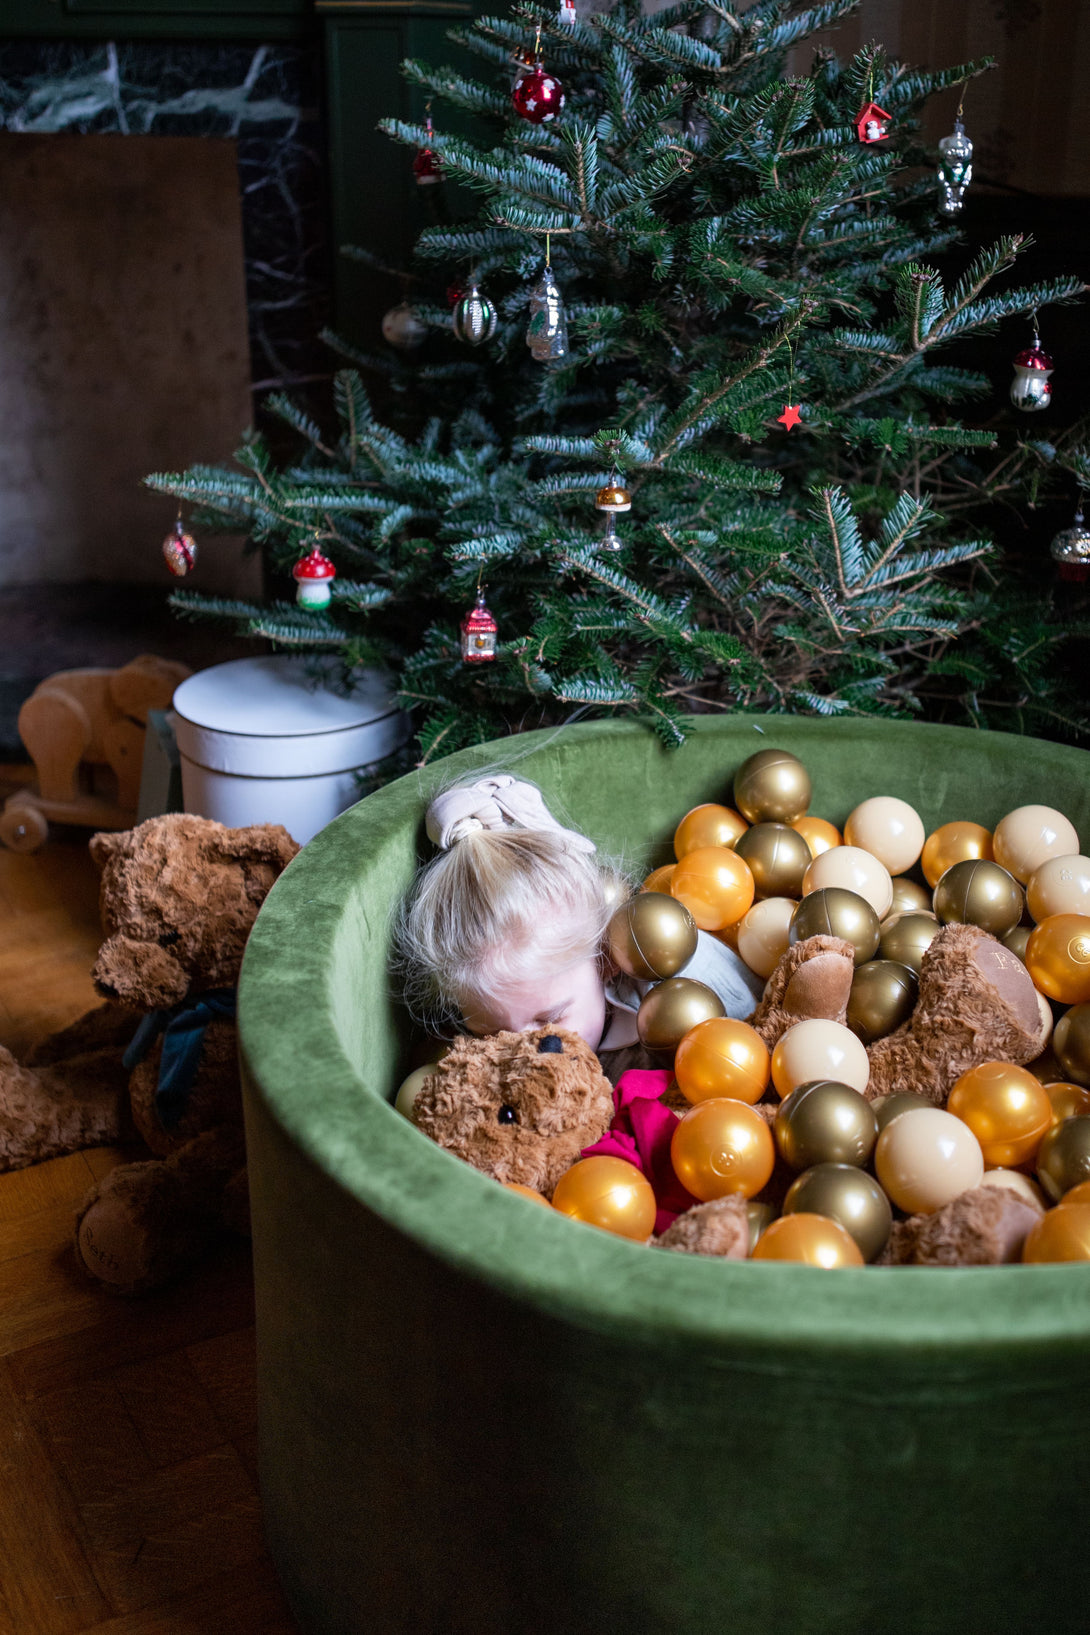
(612,499)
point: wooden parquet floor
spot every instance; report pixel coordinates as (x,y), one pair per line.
(128,1487)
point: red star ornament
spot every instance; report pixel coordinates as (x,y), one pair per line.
(790,416)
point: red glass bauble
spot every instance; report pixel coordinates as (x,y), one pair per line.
(537,95)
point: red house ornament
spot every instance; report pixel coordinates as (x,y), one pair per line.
(479,631)
(872,123)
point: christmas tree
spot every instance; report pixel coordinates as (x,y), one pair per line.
(732,471)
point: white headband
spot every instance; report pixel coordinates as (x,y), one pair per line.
(494,803)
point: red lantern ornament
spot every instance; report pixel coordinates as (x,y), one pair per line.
(537,95)
(478,633)
(872,123)
(180,551)
(427,165)
(314,575)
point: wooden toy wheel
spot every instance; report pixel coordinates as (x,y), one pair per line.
(23,828)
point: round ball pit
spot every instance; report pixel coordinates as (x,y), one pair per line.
(479,1418)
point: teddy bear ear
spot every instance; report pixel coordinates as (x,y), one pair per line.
(104,845)
(258,843)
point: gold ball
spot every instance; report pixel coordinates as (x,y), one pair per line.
(835,912)
(825,1122)
(848,1196)
(1067,1100)
(1029,836)
(1016,941)
(759,1217)
(907,937)
(1060,886)
(671,1008)
(613,498)
(778,858)
(1079,1194)
(772,786)
(908,898)
(979,893)
(1060,1234)
(1071,1043)
(953,843)
(887,1108)
(1063,1158)
(890,829)
(651,936)
(707,825)
(815,1240)
(609,1193)
(819,834)
(883,995)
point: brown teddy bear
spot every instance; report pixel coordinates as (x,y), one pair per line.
(178,897)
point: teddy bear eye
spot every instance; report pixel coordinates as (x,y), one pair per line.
(168,939)
(507,1114)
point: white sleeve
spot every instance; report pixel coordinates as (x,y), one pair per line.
(726,973)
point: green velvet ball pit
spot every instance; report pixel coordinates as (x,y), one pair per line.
(478,1418)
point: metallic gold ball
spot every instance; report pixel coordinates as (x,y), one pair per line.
(848,1196)
(1060,886)
(1029,836)
(1071,1043)
(760,1217)
(651,936)
(1067,1100)
(889,828)
(772,786)
(1058,958)
(815,1240)
(818,833)
(1060,1234)
(722,1057)
(609,1193)
(777,857)
(906,938)
(979,893)
(883,995)
(1063,1158)
(613,498)
(887,1108)
(722,1146)
(671,1008)
(1016,941)
(835,912)
(908,898)
(1006,1109)
(953,843)
(707,825)
(825,1122)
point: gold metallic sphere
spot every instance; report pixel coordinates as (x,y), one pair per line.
(825,1122)
(1063,1158)
(837,912)
(1061,1234)
(848,1196)
(1067,1100)
(651,936)
(759,1216)
(979,893)
(1071,1043)
(772,786)
(1016,941)
(778,858)
(613,498)
(908,898)
(906,938)
(883,995)
(815,1240)
(887,1108)
(671,1008)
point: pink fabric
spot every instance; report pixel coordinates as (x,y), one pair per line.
(641,1132)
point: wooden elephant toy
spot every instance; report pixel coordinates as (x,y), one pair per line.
(84,731)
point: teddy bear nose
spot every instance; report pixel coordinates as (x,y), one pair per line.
(550,1045)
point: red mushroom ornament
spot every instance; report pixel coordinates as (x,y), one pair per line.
(314,575)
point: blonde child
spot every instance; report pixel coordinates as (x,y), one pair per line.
(504,929)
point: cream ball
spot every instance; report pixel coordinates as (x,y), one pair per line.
(819,1049)
(764,933)
(1028,836)
(890,829)
(855,870)
(927,1158)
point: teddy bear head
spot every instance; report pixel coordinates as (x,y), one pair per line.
(519,1106)
(178,896)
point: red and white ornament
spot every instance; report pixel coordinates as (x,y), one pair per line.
(1030,388)
(314,575)
(1070,549)
(180,551)
(537,95)
(427,165)
(567,15)
(479,631)
(872,123)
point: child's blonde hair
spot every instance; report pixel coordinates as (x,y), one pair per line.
(473,921)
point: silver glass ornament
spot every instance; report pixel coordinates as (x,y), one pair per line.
(547,331)
(1071,549)
(1030,388)
(955,169)
(474,317)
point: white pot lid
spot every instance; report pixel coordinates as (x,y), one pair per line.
(281,696)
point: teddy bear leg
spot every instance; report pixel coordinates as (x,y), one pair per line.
(814,978)
(46,1113)
(107,1027)
(146,1222)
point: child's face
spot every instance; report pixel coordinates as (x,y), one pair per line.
(569,996)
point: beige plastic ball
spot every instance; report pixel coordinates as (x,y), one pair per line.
(855,870)
(1028,836)
(1014,1181)
(1047,1021)
(890,829)
(1060,886)
(819,1049)
(411,1088)
(925,1160)
(764,933)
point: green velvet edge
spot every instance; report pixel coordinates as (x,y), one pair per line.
(322,1040)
